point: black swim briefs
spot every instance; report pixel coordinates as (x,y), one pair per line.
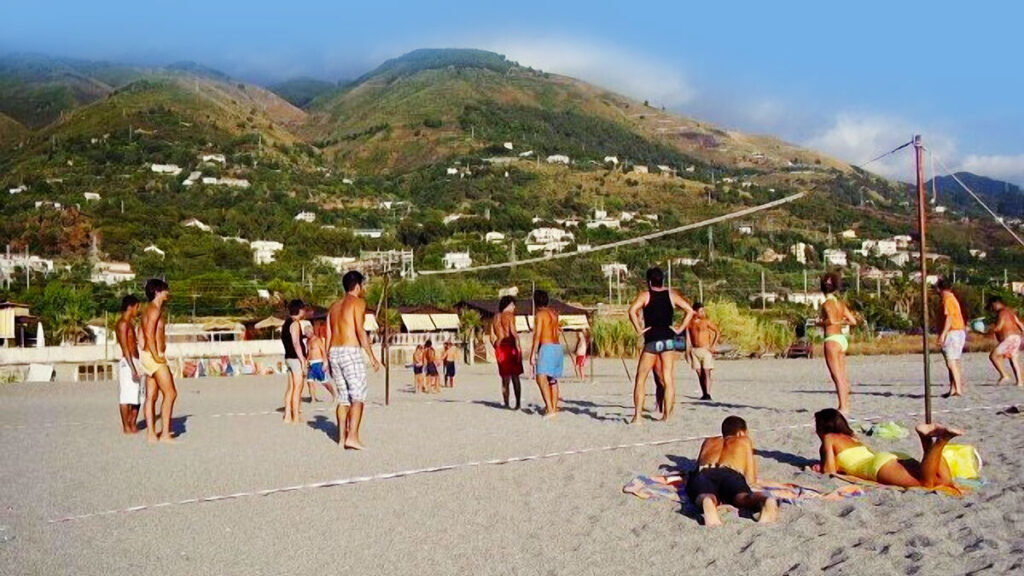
(724,483)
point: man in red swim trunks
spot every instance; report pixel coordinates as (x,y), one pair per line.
(505,339)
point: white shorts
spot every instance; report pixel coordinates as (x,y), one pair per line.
(348,369)
(953,349)
(130,390)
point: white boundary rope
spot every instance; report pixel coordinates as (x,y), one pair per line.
(467,465)
(627,242)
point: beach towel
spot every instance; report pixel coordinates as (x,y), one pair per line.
(959,489)
(673,487)
(885,430)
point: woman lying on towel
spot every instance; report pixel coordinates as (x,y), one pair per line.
(842,453)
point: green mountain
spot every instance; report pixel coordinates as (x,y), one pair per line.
(1005,198)
(435,148)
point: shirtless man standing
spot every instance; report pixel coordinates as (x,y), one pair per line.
(449,356)
(725,470)
(1008,331)
(546,354)
(317,356)
(129,376)
(347,341)
(419,380)
(507,352)
(703,338)
(154,364)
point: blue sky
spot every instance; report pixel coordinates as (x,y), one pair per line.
(847,78)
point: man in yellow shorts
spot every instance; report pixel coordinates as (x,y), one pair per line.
(703,336)
(154,364)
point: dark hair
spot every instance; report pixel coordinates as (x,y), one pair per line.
(831,421)
(697,306)
(943,284)
(153,287)
(733,425)
(993,300)
(351,279)
(295,307)
(504,302)
(428,344)
(831,282)
(128,301)
(540,298)
(655,277)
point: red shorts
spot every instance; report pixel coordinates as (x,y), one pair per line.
(581,361)
(510,360)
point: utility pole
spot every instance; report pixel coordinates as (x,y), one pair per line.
(28,271)
(805,281)
(711,245)
(1006,280)
(700,289)
(878,287)
(764,297)
(669,273)
(618,284)
(922,227)
(858,281)
(384,344)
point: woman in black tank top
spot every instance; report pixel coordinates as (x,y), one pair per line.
(655,308)
(295,360)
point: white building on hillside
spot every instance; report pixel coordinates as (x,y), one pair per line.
(901,258)
(558,159)
(172,169)
(193,223)
(545,235)
(834,257)
(373,233)
(309,217)
(494,237)
(111,273)
(799,252)
(18,189)
(10,263)
(613,160)
(153,249)
(688,262)
(849,234)
(457,260)
(92,196)
(211,158)
(879,247)
(614,269)
(265,251)
(812,299)
(340,264)
(641,169)
(745,229)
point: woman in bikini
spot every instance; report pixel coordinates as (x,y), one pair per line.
(834,315)
(842,453)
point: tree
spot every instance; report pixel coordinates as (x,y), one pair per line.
(66,309)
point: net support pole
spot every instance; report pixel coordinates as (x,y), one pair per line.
(922,227)
(384,353)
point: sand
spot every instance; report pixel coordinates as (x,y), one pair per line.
(62,454)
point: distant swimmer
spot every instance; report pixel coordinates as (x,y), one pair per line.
(130,387)
(703,339)
(449,357)
(317,372)
(546,354)
(834,315)
(154,364)
(418,379)
(953,337)
(295,359)
(1008,331)
(507,352)
(581,353)
(652,314)
(430,367)
(726,468)
(347,343)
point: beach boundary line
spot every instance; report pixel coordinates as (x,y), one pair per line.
(474,464)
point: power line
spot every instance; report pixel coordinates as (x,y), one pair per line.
(880,156)
(977,199)
(627,242)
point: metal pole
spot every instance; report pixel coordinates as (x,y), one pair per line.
(700,289)
(763,296)
(384,346)
(922,227)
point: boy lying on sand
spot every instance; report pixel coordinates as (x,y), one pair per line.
(842,453)
(726,468)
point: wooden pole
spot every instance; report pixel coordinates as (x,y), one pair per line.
(384,345)
(922,227)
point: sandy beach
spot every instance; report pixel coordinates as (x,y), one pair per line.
(560,510)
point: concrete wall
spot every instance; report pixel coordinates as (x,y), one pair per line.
(112,352)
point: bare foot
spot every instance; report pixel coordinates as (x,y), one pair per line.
(636,421)
(152,438)
(168,439)
(938,431)
(353,445)
(1004,380)
(711,517)
(551,415)
(770,512)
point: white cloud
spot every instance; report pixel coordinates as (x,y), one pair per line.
(858,138)
(1001,167)
(641,77)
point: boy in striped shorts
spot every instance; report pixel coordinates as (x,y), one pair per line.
(347,341)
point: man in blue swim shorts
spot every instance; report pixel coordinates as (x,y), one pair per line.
(546,355)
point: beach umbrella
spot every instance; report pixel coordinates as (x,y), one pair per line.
(40,336)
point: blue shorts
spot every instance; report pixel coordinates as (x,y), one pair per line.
(549,360)
(449,369)
(316,371)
